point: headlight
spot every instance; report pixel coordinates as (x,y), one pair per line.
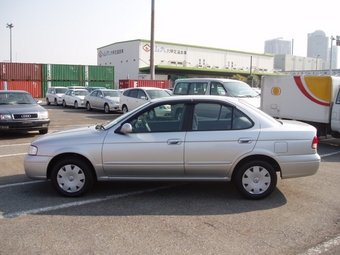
(43,115)
(32,150)
(5,117)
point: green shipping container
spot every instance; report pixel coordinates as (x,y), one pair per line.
(48,84)
(106,84)
(59,72)
(97,73)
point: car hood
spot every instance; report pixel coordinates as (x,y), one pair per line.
(82,135)
(117,99)
(21,108)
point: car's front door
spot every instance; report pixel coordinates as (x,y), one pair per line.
(154,149)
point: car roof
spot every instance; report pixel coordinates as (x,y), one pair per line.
(193,98)
(13,91)
(207,79)
(145,88)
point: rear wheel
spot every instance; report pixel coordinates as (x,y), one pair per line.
(125,109)
(256,179)
(71,177)
(76,104)
(64,103)
(48,101)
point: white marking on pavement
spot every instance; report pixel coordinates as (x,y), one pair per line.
(84,202)
(323,247)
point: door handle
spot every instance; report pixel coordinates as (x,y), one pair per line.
(174,141)
(244,140)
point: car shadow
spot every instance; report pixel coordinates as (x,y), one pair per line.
(135,198)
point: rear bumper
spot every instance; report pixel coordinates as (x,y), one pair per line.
(299,165)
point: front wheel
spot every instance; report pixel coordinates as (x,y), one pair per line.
(71,177)
(88,106)
(76,104)
(256,179)
(106,108)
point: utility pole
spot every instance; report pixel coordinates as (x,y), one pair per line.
(10,26)
(152,41)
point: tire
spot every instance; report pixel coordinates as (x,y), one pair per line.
(55,102)
(106,108)
(43,131)
(88,106)
(48,101)
(125,109)
(255,179)
(64,103)
(76,105)
(71,177)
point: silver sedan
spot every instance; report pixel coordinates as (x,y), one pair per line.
(103,99)
(208,138)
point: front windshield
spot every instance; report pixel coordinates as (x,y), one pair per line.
(12,98)
(110,124)
(81,92)
(61,90)
(240,89)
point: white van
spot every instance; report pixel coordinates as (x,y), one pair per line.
(217,86)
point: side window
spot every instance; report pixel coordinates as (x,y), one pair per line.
(161,118)
(133,93)
(219,117)
(181,88)
(212,117)
(141,94)
(217,89)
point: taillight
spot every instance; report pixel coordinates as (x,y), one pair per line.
(315,142)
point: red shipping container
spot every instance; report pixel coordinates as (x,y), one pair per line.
(20,72)
(33,87)
(163,84)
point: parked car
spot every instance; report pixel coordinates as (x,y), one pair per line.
(214,139)
(217,86)
(19,111)
(74,97)
(103,99)
(90,89)
(54,95)
(134,97)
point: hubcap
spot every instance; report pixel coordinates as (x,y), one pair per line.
(256,180)
(71,178)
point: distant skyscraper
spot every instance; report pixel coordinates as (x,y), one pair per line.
(317,45)
(278,46)
(334,56)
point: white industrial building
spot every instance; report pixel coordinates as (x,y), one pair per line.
(131,60)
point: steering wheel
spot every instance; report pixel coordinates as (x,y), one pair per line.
(141,124)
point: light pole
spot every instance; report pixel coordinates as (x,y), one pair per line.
(10,26)
(152,52)
(330,57)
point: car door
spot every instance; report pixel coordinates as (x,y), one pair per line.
(153,153)
(68,97)
(95,99)
(216,141)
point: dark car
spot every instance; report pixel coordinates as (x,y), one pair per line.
(19,111)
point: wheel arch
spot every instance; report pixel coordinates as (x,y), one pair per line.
(68,155)
(267,159)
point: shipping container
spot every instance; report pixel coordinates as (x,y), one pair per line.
(58,72)
(48,84)
(106,84)
(97,73)
(20,72)
(33,87)
(163,84)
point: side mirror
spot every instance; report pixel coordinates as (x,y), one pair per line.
(126,128)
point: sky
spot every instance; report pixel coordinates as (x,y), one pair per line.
(70,31)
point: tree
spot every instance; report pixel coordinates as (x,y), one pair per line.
(253,81)
(239,77)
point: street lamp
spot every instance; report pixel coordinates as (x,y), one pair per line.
(10,26)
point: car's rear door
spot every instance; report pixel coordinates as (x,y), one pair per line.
(215,141)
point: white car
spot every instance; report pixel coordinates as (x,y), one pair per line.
(54,95)
(213,139)
(74,97)
(103,99)
(134,97)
